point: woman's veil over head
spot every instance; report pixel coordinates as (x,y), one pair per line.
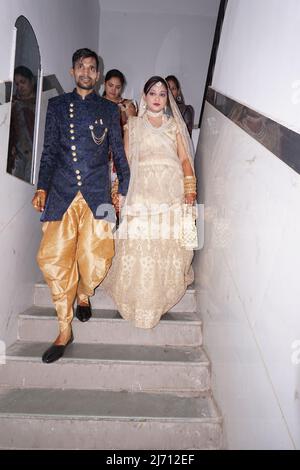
(181,126)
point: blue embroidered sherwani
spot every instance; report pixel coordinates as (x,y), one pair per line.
(72,161)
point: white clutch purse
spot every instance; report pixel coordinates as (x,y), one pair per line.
(188,238)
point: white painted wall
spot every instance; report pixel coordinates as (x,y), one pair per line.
(60,27)
(258,59)
(159,37)
(247,274)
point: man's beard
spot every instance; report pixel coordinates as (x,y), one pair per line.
(85,87)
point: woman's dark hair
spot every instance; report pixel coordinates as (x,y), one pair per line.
(180,98)
(24,72)
(84,54)
(173,79)
(114,73)
(152,81)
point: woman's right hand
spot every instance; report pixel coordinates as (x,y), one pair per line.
(39,200)
(190,198)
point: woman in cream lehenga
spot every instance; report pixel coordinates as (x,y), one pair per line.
(152,266)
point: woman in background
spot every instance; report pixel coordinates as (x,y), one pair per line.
(186,110)
(114,83)
(22,124)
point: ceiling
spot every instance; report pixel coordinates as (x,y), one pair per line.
(177,7)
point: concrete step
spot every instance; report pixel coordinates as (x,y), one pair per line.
(107,326)
(108,367)
(89,419)
(101,300)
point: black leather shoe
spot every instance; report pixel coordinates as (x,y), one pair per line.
(55,352)
(83,312)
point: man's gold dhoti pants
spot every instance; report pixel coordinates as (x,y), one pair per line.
(74,256)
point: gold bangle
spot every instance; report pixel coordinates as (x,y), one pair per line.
(190,192)
(40,191)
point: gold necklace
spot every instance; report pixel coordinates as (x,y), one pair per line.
(154,114)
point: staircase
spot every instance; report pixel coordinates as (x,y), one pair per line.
(117,387)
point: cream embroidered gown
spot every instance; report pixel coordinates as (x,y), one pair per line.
(150,271)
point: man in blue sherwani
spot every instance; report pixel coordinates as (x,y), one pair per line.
(73,192)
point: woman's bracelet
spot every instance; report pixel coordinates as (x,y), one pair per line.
(190,185)
(192,191)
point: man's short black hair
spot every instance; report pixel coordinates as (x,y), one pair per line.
(84,54)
